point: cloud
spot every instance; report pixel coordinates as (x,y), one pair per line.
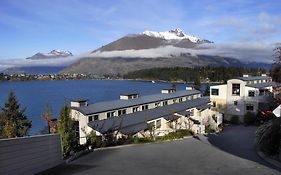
(65,61)
(244,52)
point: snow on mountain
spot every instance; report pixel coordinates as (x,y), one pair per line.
(176,34)
(52,54)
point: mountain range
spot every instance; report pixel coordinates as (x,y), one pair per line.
(144,50)
(51,54)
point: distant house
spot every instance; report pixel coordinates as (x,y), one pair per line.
(242,95)
(136,115)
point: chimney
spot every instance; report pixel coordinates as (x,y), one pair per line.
(129,96)
(245,75)
(263,75)
(189,88)
(168,91)
(78,103)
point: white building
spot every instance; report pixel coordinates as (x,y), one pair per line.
(242,95)
(136,115)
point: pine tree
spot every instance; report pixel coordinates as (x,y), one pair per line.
(66,130)
(276,71)
(207,91)
(197,84)
(13,122)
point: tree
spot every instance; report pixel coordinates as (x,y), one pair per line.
(197,83)
(66,130)
(48,116)
(13,122)
(207,91)
(276,70)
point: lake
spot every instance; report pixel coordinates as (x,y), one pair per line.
(34,95)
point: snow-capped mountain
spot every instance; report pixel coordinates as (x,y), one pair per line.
(52,54)
(176,34)
(150,39)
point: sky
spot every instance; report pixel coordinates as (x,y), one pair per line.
(31,26)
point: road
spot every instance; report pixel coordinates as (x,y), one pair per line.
(231,152)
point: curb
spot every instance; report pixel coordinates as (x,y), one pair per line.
(269,160)
(77,155)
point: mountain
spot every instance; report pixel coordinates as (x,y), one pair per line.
(52,54)
(151,39)
(34,70)
(151,49)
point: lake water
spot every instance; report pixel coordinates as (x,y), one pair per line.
(34,95)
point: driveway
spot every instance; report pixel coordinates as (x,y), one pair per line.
(231,152)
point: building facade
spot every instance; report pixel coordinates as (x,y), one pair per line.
(136,115)
(242,95)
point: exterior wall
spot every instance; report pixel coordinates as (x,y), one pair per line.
(29,155)
(83,120)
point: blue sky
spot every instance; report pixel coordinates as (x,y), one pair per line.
(30,26)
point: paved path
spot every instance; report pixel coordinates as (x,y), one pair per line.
(231,152)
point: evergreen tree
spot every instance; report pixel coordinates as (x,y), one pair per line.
(66,130)
(207,91)
(276,71)
(13,122)
(197,83)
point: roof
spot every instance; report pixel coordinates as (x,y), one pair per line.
(250,78)
(202,107)
(184,113)
(119,104)
(129,93)
(79,100)
(264,85)
(135,122)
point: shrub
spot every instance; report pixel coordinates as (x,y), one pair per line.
(234,120)
(176,135)
(93,140)
(250,118)
(268,137)
(209,130)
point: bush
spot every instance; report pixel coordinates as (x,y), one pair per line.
(176,135)
(94,141)
(268,137)
(250,118)
(234,120)
(209,130)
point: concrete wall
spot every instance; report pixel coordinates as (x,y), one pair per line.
(29,155)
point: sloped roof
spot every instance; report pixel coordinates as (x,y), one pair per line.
(251,78)
(119,104)
(264,85)
(134,122)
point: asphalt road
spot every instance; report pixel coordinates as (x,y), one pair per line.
(231,152)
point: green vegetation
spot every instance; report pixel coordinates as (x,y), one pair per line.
(66,130)
(250,119)
(13,122)
(181,133)
(234,120)
(94,141)
(268,137)
(276,70)
(185,74)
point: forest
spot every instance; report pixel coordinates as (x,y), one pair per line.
(185,74)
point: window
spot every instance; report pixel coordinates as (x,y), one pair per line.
(174,100)
(121,112)
(192,112)
(110,114)
(96,117)
(180,99)
(251,93)
(214,104)
(158,123)
(236,89)
(215,91)
(165,103)
(249,107)
(235,103)
(157,104)
(135,109)
(144,107)
(90,118)
(151,125)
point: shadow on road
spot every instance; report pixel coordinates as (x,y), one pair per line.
(239,141)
